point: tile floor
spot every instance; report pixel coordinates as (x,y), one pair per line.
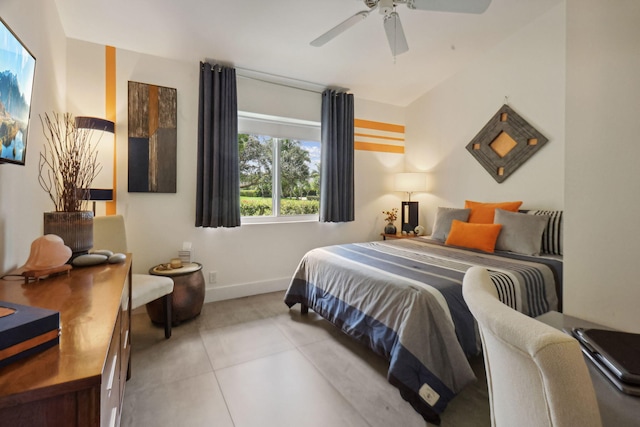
(253,362)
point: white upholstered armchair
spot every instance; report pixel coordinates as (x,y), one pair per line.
(109,233)
(537,375)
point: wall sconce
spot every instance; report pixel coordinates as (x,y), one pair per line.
(104,181)
(410,183)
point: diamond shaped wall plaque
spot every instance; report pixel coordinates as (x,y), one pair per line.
(505,143)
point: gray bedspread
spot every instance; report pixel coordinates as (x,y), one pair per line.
(403,299)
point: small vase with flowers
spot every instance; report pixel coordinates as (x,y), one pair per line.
(390,217)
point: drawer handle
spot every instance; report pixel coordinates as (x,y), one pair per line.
(126,339)
(112,373)
(114,416)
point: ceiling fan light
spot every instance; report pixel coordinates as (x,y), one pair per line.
(385,7)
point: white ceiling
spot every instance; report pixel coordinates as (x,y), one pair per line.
(272,36)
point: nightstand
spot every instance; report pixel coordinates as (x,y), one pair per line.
(386,236)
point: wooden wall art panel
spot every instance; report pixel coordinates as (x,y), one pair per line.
(505,143)
(153,134)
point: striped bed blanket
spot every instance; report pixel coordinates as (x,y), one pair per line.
(403,299)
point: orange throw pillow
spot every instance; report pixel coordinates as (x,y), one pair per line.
(474,236)
(482,213)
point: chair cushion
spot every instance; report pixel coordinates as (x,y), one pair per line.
(146,288)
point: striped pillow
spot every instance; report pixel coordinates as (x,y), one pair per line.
(552,235)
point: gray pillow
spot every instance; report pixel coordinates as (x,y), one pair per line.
(520,233)
(444,217)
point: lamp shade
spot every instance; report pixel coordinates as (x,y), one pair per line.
(100,128)
(103,184)
(102,194)
(95,123)
(411,182)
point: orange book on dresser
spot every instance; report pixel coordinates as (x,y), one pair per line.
(26,330)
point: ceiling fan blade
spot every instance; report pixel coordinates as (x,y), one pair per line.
(340,28)
(395,34)
(461,6)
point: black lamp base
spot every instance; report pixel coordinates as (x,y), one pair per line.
(409,216)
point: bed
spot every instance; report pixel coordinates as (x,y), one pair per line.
(403,299)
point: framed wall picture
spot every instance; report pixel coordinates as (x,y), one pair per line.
(505,143)
(17,73)
(153,135)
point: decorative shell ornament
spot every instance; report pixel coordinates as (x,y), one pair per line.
(419,230)
(47,252)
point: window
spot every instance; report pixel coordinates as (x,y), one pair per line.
(279,168)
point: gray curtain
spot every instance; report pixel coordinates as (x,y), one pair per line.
(218,173)
(336,178)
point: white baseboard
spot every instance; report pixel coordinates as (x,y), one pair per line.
(245,289)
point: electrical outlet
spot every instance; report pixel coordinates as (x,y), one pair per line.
(213,277)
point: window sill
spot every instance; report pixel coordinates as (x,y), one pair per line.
(252,220)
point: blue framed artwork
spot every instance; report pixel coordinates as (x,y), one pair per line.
(17,72)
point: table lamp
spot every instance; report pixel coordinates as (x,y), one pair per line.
(410,182)
(105,155)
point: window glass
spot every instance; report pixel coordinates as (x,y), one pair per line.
(279,175)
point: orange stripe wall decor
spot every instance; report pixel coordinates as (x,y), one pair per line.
(378,136)
(110,109)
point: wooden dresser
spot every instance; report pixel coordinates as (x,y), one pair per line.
(79,382)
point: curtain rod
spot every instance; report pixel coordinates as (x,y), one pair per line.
(284,81)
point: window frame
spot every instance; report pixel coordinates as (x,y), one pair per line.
(253,121)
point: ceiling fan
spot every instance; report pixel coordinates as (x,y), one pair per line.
(391,20)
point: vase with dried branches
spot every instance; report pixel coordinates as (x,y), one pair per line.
(67,167)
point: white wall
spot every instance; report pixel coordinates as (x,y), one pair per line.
(602,174)
(529,69)
(597,188)
(250,259)
(22,201)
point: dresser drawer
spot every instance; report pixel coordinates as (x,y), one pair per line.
(110,387)
(125,336)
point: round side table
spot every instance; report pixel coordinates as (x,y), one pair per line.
(188,293)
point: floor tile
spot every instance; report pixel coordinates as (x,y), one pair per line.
(147,333)
(273,367)
(470,408)
(191,402)
(166,360)
(303,329)
(284,390)
(221,314)
(240,343)
(361,378)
